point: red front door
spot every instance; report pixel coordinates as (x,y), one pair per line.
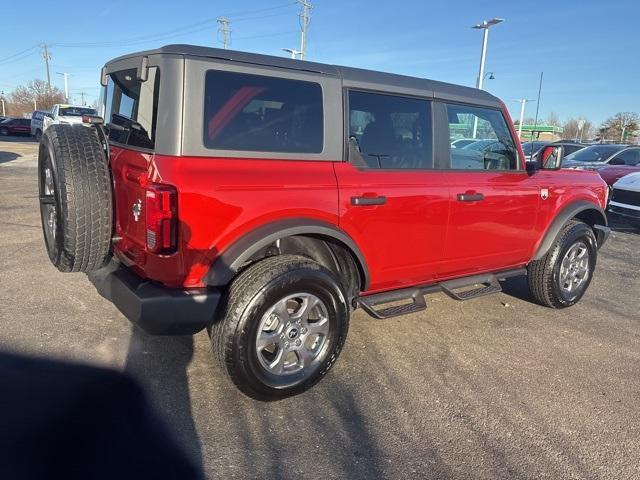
(492,221)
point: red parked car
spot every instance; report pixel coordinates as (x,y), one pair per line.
(265,199)
(15,126)
(624,163)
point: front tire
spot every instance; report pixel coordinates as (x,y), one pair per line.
(282,327)
(562,276)
(4,131)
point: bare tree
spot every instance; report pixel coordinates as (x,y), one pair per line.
(553,119)
(35,95)
(623,126)
(572,130)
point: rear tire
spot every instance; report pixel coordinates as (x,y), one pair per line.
(561,277)
(282,327)
(76,203)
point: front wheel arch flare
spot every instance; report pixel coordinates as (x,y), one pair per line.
(587,212)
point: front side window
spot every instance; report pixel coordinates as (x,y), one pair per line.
(629,157)
(493,149)
(389,131)
(260,113)
(131,107)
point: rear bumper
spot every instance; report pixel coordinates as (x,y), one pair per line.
(154,308)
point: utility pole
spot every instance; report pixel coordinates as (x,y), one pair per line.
(484,26)
(223,30)
(82,98)
(535,125)
(47,57)
(523,102)
(66,85)
(35,105)
(2,99)
(305,18)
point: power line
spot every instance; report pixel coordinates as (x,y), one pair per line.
(20,55)
(223,30)
(191,28)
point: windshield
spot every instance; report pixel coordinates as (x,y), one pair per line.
(530,148)
(75,111)
(595,153)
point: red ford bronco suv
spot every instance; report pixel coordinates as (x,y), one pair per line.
(264,199)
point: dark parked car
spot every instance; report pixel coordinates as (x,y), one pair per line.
(531,149)
(623,163)
(16,126)
(593,157)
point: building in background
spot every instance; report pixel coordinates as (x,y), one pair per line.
(545,133)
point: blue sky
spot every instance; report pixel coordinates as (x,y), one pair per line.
(589,50)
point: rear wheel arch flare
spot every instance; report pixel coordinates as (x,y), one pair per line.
(321,241)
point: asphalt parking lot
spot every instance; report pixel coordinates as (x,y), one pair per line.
(495,388)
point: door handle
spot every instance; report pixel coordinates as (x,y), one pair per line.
(470,197)
(364,201)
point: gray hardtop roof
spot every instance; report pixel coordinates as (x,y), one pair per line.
(443,90)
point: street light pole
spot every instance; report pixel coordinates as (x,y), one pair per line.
(523,103)
(292,51)
(484,26)
(66,85)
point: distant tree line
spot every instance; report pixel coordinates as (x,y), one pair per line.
(623,127)
(35,95)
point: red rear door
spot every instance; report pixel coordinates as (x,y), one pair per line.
(392,203)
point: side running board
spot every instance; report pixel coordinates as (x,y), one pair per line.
(414,295)
(485,285)
(413,298)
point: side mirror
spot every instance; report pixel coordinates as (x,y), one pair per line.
(616,161)
(550,157)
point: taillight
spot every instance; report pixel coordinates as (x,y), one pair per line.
(161,218)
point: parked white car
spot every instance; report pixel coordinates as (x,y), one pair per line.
(66,114)
(625,199)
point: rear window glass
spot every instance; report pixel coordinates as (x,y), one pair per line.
(75,111)
(259,113)
(131,107)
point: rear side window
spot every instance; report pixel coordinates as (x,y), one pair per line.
(389,131)
(260,113)
(131,107)
(493,148)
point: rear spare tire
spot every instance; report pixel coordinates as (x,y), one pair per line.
(76,199)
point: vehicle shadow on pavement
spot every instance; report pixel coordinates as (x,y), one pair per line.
(160,363)
(6,157)
(517,287)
